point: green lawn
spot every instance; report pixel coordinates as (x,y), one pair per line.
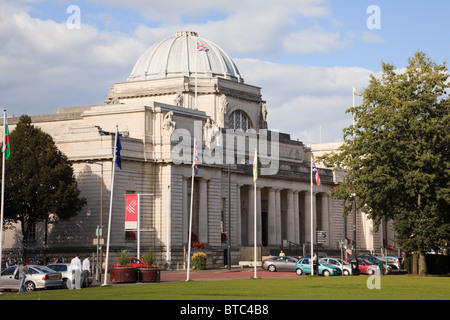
(304,288)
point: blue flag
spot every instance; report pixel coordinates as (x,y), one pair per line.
(118,148)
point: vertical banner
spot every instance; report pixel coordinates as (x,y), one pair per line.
(131,211)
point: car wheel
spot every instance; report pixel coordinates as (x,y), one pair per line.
(272,268)
(370,272)
(299,272)
(346,273)
(326,273)
(30,286)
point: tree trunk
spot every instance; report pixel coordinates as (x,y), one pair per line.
(414,264)
(422,265)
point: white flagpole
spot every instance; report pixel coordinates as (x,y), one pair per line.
(190,214)
(110,206)
(312,220)
(255,160)
(3,186)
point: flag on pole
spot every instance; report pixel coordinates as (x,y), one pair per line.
(255,166)
(356,93)
(195,159)
(118,148)
(6,143)
(316,172)
(201,47)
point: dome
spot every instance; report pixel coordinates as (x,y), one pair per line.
(179,56)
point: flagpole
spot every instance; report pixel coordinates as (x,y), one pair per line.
(312,221)
(190,214)
(110,206)
(255,174)
(3,185)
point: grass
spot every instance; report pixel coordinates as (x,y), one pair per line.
(304,288)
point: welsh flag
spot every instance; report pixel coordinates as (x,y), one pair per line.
(6,143)
(356,92)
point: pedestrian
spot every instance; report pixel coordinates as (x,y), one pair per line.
(282,253)
(86,268)
(75,267)
(21,273)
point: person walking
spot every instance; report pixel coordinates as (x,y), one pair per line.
(22,271)
(86,268)
(75,267)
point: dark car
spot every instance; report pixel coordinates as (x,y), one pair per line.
(280,263)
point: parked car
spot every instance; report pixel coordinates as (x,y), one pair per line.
(135,262)
(280,263)
(377,261)
(66,273)
(365,266)
(303,266)
(40,277)
(395,263)
(345,267)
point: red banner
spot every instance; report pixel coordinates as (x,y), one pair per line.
(131,211)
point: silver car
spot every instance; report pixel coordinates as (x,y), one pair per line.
(344,265)
(280,263)
(40,277)
(67,277)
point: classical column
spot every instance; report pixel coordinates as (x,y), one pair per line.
(258,217)
(203,211)
(308,204)
(296,219)
(271,218)
(290,216)
(238,215)
(250,219)
(185,208)
(325,217)
(278,217)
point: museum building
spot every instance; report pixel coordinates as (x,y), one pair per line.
(184,89)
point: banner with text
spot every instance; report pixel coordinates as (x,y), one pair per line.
(131,211)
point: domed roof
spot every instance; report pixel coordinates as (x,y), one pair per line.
(181,55)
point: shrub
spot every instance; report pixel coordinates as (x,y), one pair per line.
(199,260)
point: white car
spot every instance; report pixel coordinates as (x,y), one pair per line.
(68,281)
(345,266)
(40,277)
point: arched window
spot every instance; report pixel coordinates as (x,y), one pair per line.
(238,120)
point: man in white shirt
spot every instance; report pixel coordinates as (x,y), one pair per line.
(75,266)
(86,268)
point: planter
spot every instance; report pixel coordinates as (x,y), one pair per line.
(123,274)
(149,274)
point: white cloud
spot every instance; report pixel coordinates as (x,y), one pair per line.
(312,40)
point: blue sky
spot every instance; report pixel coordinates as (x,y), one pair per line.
(305,54)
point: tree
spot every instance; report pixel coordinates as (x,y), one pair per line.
(397,154)
(39,185)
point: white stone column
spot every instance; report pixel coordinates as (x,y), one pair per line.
(185,210)
(278,216)
(290,216)
(258,217)
(324,213)
(238,215)
(308,205)
(250,219)
(296,219)
(271,218)
(203,211)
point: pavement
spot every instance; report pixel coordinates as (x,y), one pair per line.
(217,274)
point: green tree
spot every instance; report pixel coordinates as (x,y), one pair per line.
(397,154)
(39,185)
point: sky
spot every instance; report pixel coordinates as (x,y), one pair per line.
(305,55)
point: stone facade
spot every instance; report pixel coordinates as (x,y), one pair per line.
(158,120)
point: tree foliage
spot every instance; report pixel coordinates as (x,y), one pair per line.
(397,153)
(39,185)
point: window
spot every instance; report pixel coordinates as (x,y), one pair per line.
(238,120)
